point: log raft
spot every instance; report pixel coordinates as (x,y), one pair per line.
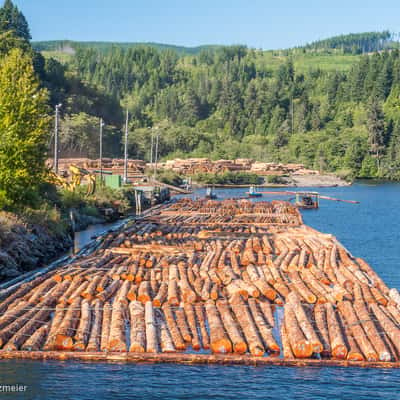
(203,275)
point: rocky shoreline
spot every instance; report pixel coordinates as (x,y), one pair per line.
(25,246)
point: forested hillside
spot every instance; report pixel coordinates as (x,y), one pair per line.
(327,105)
(240,102)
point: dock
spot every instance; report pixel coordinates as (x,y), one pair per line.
(208,282)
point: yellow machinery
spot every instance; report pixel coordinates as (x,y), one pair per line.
(76,175)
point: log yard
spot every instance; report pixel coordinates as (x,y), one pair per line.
(205,281)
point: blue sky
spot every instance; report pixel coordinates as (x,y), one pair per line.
(256,23)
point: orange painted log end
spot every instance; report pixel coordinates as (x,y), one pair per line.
(63,342)
(303,349)
(339,352)
(221,346)
(240,348)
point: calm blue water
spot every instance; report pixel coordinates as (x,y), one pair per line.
(369,230)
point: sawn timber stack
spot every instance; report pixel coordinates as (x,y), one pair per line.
(232,278)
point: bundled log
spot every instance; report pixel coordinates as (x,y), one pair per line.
(151,331)
(66,330)
(166,343)
(191,320)
(219,341)
(117,338)
(205,339)
(371,331)
(105,328)
(357,330)
(322,328)
(263,328)
(299,344)
(138,327)
(173,328)
(246,322)
(95,333)
(304,322)
(82,334)
(36,341)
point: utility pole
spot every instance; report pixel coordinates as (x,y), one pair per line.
(156,153)
(125,179)
(101,150)
(55,166)
(151,147)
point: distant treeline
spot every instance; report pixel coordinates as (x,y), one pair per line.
(356,43)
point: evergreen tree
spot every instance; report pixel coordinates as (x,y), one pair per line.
(376,129)
(24,128)
(11,19)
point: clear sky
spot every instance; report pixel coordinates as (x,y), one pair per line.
(267,24)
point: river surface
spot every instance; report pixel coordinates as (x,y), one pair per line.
(369,230)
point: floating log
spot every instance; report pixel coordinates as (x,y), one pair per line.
(357,330)
(173,328)
(36,341)
(117,338)
(243,316)
(138,327)
(219,341)
(82,334)
(95,333)
(151,331)
(105,328)
(232,329)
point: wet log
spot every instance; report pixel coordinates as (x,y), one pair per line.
(205,339)
(337,343)
(144,292)
(371,331)
(117,337)
(263,328)
(95,333)
(105,327)
(246,322)
(391,329)
(231,327)
(173,327)
(299,344)
(161,296)
(354,353)
(173,293)
(82,334)
(151,331)
(166,343)
(138,327)
(357,330)
(182,325)
(191,320)
(322,328)
(58,317)
(219,341)
(287,349)
(66,330)
(109,292)
(305,324)
(36,341)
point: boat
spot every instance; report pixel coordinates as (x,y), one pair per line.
(210,194)
(253,192)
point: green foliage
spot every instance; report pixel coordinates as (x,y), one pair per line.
(276,179)
(228,178)
(169,177)
(24,128)
(11,19)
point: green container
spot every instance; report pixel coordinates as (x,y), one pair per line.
(113,181)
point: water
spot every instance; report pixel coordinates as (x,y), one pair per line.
(369,229)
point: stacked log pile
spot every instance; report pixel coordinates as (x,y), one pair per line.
(183,279)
